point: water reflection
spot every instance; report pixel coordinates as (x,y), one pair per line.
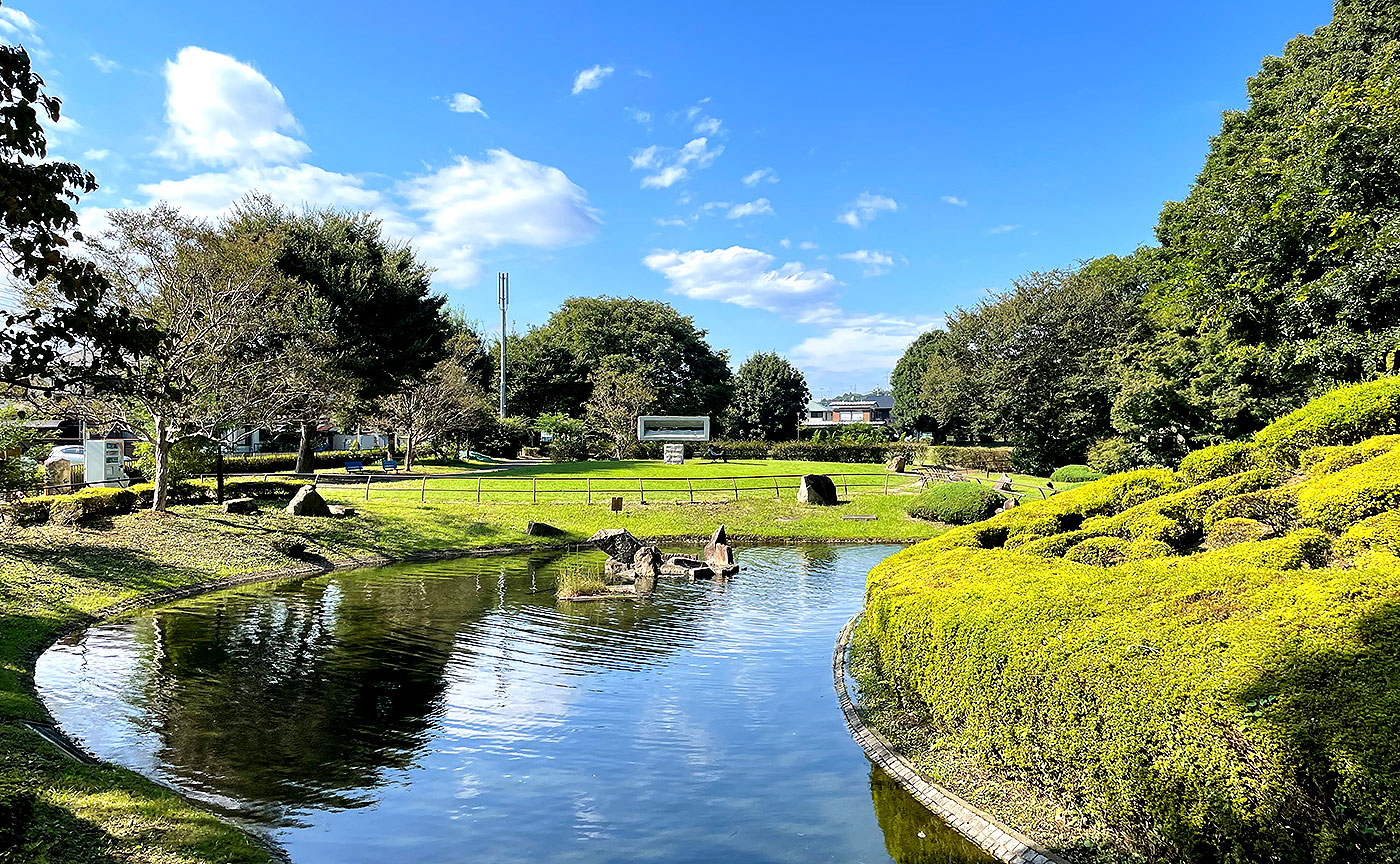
(413,712)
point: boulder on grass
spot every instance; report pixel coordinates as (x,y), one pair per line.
(542,529)
(308,502)
(240,505)
(617,543)
(897,464)
(816,489)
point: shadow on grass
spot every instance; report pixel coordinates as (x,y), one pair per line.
(1336,714)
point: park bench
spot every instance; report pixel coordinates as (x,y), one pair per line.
(389,465)
(354,467)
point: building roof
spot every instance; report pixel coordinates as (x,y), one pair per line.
(814,405)
(886,402)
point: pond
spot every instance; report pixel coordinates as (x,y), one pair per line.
(456,711)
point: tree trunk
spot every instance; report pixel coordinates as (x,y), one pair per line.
(306,453)
(162,479)
(410,446)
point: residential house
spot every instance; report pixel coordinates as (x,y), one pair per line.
(871,411)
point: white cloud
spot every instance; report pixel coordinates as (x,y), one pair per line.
(499,201)
(669,166)
(753,178)
(954,200)
(708,126)
(96,155)
(865,208)
(224,112)
(744,277)
(103,64)
(591,79)
(1003,229)
(463,103)
(674,222)
(857,342)
(874,263)
(785,243)
(643,118)
(15,23)
(761,207)
(807,244)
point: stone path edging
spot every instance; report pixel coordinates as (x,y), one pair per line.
(996,839)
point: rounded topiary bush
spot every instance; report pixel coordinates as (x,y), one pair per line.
(1075,474)
(1100,551)
(956,503)
(1236,529)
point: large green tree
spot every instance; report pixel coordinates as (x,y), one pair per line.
(548,368)
(73,330)
(770,395)
(379,325)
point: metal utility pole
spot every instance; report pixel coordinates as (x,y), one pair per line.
(503,297)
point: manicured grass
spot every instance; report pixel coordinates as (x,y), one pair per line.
(51,576)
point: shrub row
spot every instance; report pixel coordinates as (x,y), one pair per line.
(103,501)
(979,458)
(267,463)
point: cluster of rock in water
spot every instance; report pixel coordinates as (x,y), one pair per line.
(629,559)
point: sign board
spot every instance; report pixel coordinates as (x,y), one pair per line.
(664,428)
(674,454)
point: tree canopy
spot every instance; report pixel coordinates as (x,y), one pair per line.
(770,395)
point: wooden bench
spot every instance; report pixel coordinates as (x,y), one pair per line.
(354,467)
(389,465)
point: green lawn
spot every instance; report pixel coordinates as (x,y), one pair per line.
(51,576)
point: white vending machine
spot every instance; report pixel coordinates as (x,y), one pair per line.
(102,462)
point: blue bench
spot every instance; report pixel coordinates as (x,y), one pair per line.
(390,465)
(354,467)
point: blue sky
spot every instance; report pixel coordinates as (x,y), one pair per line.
(820,180)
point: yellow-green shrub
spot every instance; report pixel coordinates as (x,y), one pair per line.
(1222,460)
(1325,460)
(1378,533)
(1178,519)
(1343,416)
(1277,508)
(1228,532)
(1099,551)
(1306,547)
(1344,497)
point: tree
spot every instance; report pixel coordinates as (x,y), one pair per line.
(78,333)
(770,395)
(551,368)
(378,324)
(620,395)
(912,412)
(448,400)
(224,317)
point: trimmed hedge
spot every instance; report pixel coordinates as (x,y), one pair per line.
(1235,704)
(956,503)
(1075,474)
(979,458)
(103,501)
(267,463)
(836,451)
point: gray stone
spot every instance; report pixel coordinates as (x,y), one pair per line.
(542,529)
(615,568)
(240,505)
(719,536)
(816,489)
(719,554)
(308,502)
(646,564)
(617,542)
(342,510)
(897,464)
(679,565)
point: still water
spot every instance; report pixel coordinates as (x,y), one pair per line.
(455,711)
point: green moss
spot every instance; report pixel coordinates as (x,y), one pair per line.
(956,503)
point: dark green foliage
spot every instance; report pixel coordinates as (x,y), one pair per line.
(956,503)
(16,810)
(1075,474)
(821,451)
(269,463)
(770,395)
(980,458)
(1116,455)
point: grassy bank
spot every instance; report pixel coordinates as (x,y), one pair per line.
(1192,666)
(52,576)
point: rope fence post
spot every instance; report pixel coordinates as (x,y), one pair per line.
(691,487)
(845,487)
(736,490)
(478,490)
(534,492)
(588,489)
(368,479)
(887,484)
(641,491)
(777,496)
(423,490)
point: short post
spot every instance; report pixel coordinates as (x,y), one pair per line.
(736,489)
(641,491)
(776,494)
(845,487)
(588,488)
(887,484)
(423,490)
(478,490)
(534,493)
(368,479)
(691,487)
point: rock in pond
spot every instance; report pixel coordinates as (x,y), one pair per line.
(817,489)
(542,529)
(617,543)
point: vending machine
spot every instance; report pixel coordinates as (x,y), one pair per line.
(102,462)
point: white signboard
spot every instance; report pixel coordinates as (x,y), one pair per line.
(665,428)
(674,454)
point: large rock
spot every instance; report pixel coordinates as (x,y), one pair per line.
(308,502)
(719,536)
(816,489)
(679,565)
(542,529)
(617,542)
(897,464)
(646,564)
(240,505)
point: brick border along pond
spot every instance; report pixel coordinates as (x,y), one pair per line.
(998,840)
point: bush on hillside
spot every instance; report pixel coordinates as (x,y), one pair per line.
(1099,551)
(1222,460)
(1346,415)
(1116,455)
(1075,474)
(956,503)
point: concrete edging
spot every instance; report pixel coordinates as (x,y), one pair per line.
(979,827)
